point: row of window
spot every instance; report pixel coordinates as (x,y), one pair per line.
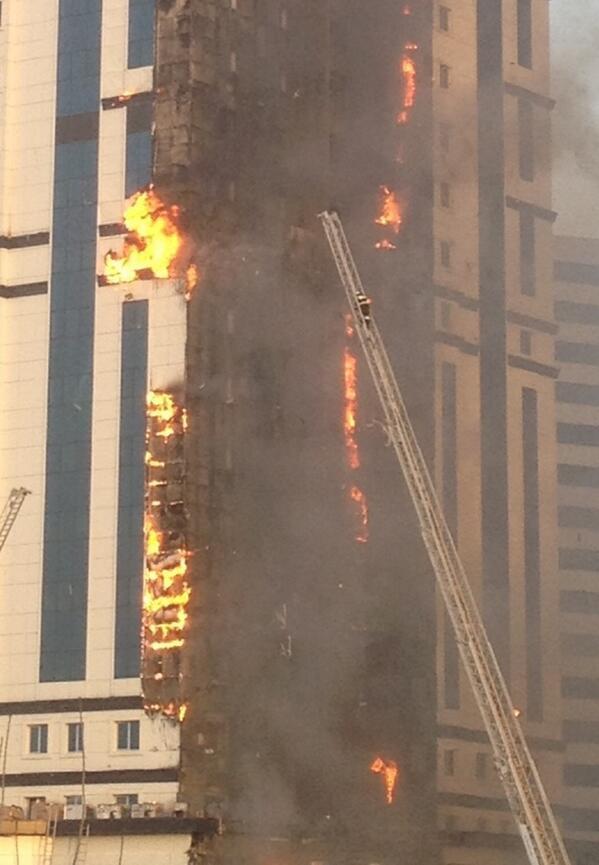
(528,268)
(524,29)
(126,736)
(482,763)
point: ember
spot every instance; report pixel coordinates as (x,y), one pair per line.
(359,499)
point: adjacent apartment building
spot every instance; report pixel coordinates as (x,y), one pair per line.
(221,589)
(577,391)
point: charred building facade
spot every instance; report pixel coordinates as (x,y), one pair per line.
(298,676)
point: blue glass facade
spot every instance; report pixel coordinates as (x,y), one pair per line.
(134,374)
(139,161)
(141,33)
(72,297)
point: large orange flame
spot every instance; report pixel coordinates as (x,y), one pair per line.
(390,215)
(388,769)
(153,242)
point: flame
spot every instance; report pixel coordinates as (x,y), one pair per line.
(385,244)
(359,499)
(408,76)
(388,769)
(166,591)
(390,215)
(153,242)
(351,404)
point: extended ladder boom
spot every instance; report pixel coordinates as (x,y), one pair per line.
(11,512)
(518,773)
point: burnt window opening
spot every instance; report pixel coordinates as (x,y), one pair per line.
(480,766)
(526,342)
(525,33)
(444,76)
(444,137)
(444,13)
(445,315)
(526,142)
(527,254)
(445,195)
(449,761)
(445,253)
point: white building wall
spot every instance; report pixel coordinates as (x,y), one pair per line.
(28,60)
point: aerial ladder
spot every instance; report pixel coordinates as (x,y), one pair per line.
(11,512)
(516,768)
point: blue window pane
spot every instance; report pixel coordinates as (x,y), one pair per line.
(138,171)
(141,33)
(134,366)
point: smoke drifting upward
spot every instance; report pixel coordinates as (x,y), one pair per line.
(575,28)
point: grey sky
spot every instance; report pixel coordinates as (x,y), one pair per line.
(575,45)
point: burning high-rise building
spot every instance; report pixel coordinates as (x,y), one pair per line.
(224,580)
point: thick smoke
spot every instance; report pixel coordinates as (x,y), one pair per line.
(575,28)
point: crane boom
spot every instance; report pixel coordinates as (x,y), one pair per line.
(516,768)
(10,512)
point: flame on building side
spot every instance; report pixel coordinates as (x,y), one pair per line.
(389,772)
(357,497)
(166,591)
(153,244)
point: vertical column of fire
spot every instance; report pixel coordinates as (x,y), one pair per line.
(156,248)
(166,591)
(390,218)
(391,208)
(352,453)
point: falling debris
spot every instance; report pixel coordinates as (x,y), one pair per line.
(153,243)
(166,591)
(389,771)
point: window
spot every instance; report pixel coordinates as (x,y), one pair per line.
(36,807)
(233,4)
(445,315)
(284,19)
(127,799)
(527,254)
(526,141)
(233,61)
(480,766)
(444,137)
(73,800)
(526,342)
(128,735)
(445,251)
(38,739)
(445,195)
(525,33)
(449,761)
(444,76)
(451,821)
(75,737)
(443,18)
